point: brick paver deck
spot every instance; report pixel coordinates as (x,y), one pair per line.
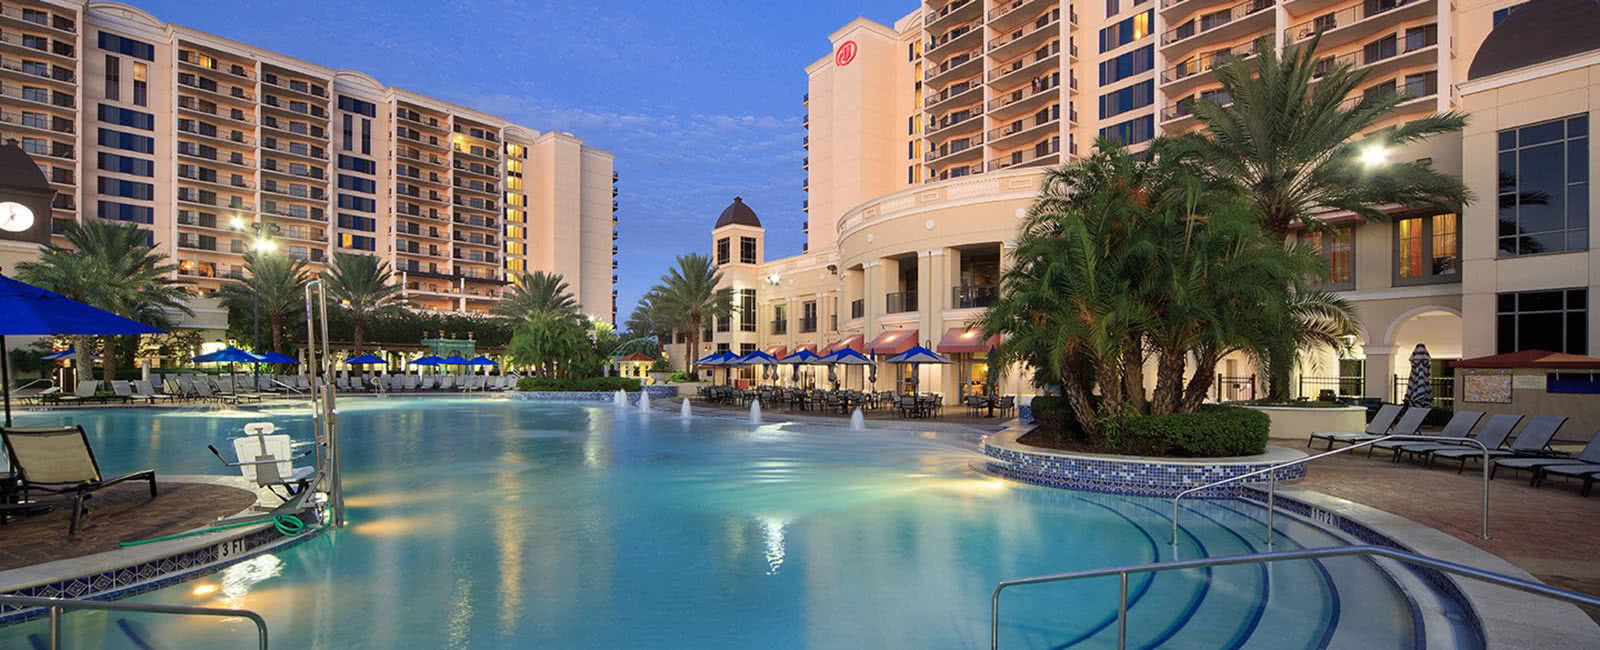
(122,512)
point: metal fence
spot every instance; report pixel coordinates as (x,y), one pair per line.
(1444,391)
(1235,388)
(1312,386)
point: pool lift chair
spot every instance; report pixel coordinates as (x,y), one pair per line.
(271,460)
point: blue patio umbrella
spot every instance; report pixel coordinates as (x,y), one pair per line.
(758,358)
(481,360)
(917,356)
(274,357)
(801,357)
(68,353)
(429,361)
(31,311)
(717,359)
(230,355)
(363,360)
(453,360)
(844,357)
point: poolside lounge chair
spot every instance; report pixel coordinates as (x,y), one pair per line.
(58,460)
(270,461)
(84,393)
(121,389)
(142,390)
(1459,426)
(420,383)
(1534,440)
(1491,435)
(1589,472)
(1376,428)
(1589,456)
(447,382)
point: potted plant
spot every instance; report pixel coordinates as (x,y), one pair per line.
(660,372)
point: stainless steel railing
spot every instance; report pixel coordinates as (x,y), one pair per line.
(1272,480)
(1527,586)
(56,607)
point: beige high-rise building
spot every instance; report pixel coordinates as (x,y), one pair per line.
(926,140)
(214,146)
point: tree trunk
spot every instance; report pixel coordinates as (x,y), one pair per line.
(1133,376)
(83,364)
(276,322)
(1280,365)
(1169,380)
(1072,387)
(109,360)
(694,341)
(1205,373)
(359,334)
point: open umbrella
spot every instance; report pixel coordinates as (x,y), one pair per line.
(229,355)
(426,361)
(917,356)
(844,357)
(715,360)
(31,311)
(363,360)
(280,359)
(482,361)
(1419,389)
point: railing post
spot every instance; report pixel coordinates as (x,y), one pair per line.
(1252,387)
(1122,612)
(1272,492)
(1484,508)
(55,627)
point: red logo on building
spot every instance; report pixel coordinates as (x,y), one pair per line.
(845,54)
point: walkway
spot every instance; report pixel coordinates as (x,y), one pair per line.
(122,512)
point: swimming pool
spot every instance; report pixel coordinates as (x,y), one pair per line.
(492,523)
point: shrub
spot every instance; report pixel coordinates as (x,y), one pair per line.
(590,384)
(660,365)
(1054,417)
(1212,431)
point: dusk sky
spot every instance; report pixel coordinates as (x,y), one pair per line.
(700,101)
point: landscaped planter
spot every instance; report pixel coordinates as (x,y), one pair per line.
(656,392)
(1297,423)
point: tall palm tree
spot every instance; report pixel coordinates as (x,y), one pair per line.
(539,294)
(362,286)
(650,318)
(273,284)
(691,298)
(110,266)
(1294,137)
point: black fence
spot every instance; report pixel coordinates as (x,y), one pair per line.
(1444,391)
(1314,386)
(1235,388)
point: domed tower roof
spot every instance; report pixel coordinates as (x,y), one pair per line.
(738,214)
(1539,31)
(18,171)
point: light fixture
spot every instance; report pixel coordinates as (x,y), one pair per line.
(1374,155)
(774,278)
(265,245)
(237,223)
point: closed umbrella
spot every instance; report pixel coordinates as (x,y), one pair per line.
(229,355)
(1419,389)
(31,311)
(991,378)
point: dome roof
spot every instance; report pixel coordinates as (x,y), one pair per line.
(738,214)
(1539,31)
(19,171)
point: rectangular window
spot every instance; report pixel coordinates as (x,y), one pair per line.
(359,204)
(723,251)
(124,212)
(1426,249)
(347,182)
(128,141)
(1112,8)
(126,164)
(747,250)
(141,84)
(127,117)
(1121,101)
(1127,65)
(1133,131)
(356,222)
(1128,30)
(1338,247)
(1544,187)
(747,310)
(357,242)
(349,133)
(358,164)
(124,45)
(725,323)
(1500,14)
(354,105)
(113,78)
(128,189)
(366,137)
(1555,321)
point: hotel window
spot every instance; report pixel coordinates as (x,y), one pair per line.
(1544,187)
(1338,247)
(1127,65)
(113,78)
(725,323)
(1500,14)
(747,310)
(747,250)
(1427,249)
(1556,321)
(1121,101)
(722,251)
(141,84)
(349,132)
(1133,131)
(1130,29)
(1112,8)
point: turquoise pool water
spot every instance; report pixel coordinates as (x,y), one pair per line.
(485,523)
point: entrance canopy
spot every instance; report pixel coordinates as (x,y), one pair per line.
(893,342)
(1533,359)
(971,341)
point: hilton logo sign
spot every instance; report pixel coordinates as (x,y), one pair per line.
(845,54)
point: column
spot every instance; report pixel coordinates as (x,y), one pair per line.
(1379,372)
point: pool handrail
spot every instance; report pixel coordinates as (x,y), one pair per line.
(1509,582)
(56,607)
(1272,479)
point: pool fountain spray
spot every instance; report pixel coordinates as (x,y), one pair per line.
(755,411)
(644,400)
(858,422)
(683,411)
(620,399)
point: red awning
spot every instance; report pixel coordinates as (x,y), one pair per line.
(1532,359)
(809,347)
(852,342)
(970,341)
(893,342)
(777,351)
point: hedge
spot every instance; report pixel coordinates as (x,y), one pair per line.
(591,384)
(1213,430)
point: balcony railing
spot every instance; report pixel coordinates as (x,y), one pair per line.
(1205,62)
(1214,20)
(946,10)
(1046,84)
(780,326)
(858,308)
(968,143)
(1037,153)
(973,296)
(1053,23)
(808,325)
(1343,18)
(901,302)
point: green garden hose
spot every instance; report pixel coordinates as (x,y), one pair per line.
(286,525)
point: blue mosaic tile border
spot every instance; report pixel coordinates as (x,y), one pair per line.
(155,574)
(656,392)
(1025,413)
(1126,476)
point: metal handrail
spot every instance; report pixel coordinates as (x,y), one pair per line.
(57,606)
(1536,588)
(1272,478)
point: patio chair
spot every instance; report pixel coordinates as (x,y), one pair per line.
(84,393)
(300,384)
(1007,404)
(1534,440)
(910,407)
(975,404)
(1460,425)
(1376,428)
(1491,435)
(1586,466)
(415,383)
(342,383)
(58,460)
(270,461)
(1589,456)
(142,390)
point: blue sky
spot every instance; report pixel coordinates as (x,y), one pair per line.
(700,101)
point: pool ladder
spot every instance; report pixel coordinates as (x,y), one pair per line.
(57,607)
(1413,559)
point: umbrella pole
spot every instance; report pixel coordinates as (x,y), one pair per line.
(5,377)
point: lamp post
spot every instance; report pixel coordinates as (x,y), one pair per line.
(263,244)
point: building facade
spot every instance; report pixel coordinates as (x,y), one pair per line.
(926,140)
(215,146)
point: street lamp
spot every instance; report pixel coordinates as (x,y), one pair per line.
(1374,155)
(263,244)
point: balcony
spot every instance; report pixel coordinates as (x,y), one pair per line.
(956,150)
(1033,35)
(32,70)
(955,67)
(1006,16)
(1179,113)
(1196,69)
(302,88)
(950,14)
(1027,67)
(1045,153)
(958,95)
(1025,100)
(1387,57)
(61,52)
(808,325)
(900,303)
(1234,22)
(1339,28)
(977,296)
(780,327)
(955,42)
(15,16)
(950,125)
(40,123)
(1020,131)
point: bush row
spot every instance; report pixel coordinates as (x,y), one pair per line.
(590,384)
(1213,430)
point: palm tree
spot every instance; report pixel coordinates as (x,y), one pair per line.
(539,294)
(275,285)
(690,297)
(650,318)
(361,284)
(1293,139)
(110,266)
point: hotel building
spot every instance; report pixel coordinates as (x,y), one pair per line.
(925,142)
(210,145)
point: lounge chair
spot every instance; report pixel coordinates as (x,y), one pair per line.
(84,393)
(123,390)
(270,461)
(1589,472)
(58,460)
(1491,435)
(1459,426)
(447,382)
(417,383)
(142,390)
(1534,440)
(1376,428)
(1589,456)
